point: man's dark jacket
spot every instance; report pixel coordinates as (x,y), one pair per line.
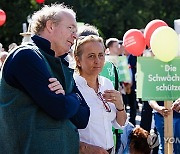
(28,126)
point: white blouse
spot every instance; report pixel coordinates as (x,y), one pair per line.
(99,129)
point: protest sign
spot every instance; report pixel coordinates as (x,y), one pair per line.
(157,80)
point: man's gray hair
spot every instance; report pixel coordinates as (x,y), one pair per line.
(48,12)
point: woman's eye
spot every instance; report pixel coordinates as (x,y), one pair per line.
(101,55)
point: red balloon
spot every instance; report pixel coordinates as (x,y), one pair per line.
(2,17)
(150,28)
(134,42)
(40,1)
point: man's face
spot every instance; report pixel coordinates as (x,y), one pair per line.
(64,34)
(114,49)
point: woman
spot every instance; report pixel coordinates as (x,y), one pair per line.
(106,104)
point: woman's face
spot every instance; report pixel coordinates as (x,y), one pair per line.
(92,59)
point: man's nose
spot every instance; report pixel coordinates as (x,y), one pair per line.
(74,35)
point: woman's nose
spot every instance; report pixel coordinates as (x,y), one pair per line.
(97,59)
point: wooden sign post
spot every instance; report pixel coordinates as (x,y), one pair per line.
(168,130)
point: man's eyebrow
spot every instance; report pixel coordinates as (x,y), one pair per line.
(75,26)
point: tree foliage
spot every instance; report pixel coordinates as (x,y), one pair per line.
(112,17)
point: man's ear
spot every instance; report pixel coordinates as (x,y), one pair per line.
(49,25)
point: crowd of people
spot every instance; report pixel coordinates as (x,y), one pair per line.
(48,107)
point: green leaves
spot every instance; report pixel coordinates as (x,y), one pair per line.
(112,17)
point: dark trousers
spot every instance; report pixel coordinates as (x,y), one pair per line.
(146,119)
(131,100)
(146,116)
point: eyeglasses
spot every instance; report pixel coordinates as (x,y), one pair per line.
(106,105)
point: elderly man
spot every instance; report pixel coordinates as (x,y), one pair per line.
(33,118)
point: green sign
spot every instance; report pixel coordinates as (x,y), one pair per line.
(157,80)
(121,65)
(108,72)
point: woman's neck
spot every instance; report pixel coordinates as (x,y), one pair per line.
(92,82)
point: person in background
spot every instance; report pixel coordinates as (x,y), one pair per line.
(1,48)
(3,56)
(87,29)
(113,47)
(146,113)
(159,113)
(131,95)
(34,117)
(176,123)
(138,142)
(83,30)
(176,105)
(12,46)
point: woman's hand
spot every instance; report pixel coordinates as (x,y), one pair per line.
(176,105)
(115,97)
(56,86)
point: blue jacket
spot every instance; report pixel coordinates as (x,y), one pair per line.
(33,119)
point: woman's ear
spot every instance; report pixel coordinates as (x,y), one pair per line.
(77,61)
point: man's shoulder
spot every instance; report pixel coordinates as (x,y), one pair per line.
(24,46)
(22,55)
(24,50)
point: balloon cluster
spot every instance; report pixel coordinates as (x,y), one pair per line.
(162,39)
